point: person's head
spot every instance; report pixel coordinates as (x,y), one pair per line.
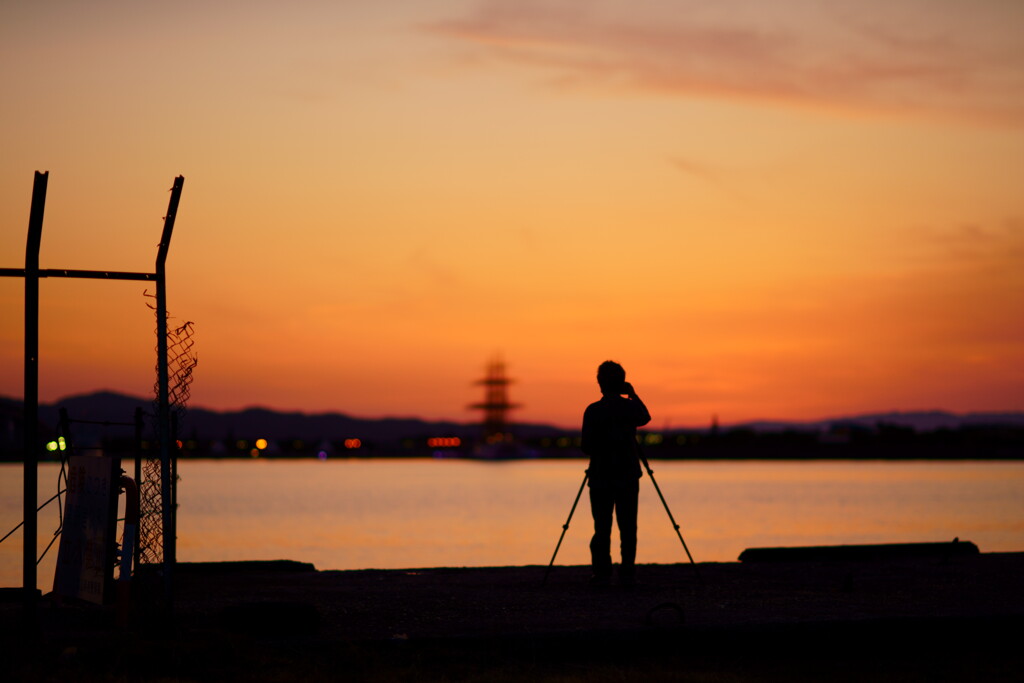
(610,377)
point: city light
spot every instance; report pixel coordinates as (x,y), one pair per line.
(444,442)
(353,443)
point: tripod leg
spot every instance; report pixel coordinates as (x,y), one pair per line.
(675,525)
(565,527)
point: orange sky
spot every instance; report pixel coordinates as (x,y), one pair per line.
(790,213)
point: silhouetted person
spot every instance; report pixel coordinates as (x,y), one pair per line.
(609,438)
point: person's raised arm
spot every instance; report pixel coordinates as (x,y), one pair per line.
(643,416)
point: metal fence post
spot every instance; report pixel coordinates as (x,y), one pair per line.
(163,395)
(31,405)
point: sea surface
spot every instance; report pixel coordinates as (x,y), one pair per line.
(396,513)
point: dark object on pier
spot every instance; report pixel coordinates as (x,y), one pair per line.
(888,551)
(246,567)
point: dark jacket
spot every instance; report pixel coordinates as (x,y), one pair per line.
(609,438)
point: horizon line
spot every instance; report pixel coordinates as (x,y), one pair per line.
(712,424)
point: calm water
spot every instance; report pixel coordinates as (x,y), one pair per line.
(349,514)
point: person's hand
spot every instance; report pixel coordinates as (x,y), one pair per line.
(627,389)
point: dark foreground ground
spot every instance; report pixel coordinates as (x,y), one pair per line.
(896,619)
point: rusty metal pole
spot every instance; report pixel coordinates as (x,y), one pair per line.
(163,396)
(30,457)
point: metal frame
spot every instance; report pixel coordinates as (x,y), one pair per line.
(31,274)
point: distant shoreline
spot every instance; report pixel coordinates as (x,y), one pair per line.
(582,459)
(924,435)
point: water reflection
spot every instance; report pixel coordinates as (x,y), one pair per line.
(347,514)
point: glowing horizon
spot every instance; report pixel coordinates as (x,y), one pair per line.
(792,212)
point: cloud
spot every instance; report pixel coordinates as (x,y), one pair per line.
(697,169)
(430,270)
(993,247)
(954,60)
(722,178)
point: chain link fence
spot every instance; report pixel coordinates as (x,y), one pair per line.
(181,363)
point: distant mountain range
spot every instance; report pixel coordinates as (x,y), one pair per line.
(921,421)
(106,406)
(250,423)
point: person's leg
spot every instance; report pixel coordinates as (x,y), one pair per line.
(602,501)
(625,515)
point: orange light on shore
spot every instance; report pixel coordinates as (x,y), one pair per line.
(353,444)
(444,442)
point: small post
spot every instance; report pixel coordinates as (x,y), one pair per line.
(65,426)
(139,426)
(31,398)
(175,451)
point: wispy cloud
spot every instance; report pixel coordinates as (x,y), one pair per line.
(996,248)
(951,59)
(697,169)
(724,179)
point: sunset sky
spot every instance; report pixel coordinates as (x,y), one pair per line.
(785,210)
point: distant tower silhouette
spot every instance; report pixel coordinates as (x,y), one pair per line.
(496,404)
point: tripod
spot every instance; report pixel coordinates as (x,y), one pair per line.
(675,525)
(650,473)
(565,527)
